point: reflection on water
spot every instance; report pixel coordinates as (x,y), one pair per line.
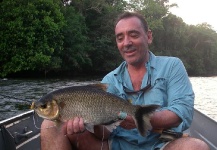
(205,89)
(17,95)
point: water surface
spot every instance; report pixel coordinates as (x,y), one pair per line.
(17,95)
(205,89)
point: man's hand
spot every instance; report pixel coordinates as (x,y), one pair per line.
(128,123)
(75,125)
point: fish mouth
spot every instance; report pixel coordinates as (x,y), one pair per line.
(49,110)
(32,106)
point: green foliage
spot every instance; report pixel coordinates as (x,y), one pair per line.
(171,37)
(99,43)
(104,53)
(203,42)
(30,35)
(78,36)
(195,45)
(76,46)
(153,10)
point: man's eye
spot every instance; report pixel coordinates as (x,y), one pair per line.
(134,35)
(119,39)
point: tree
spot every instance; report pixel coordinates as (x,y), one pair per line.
(101,34)
(79,35)
(76,46)
(172,39)
(99,18)
(30,35)
(203,46)
(153,10)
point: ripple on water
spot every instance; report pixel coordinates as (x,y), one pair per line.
(23,91)
(17,95)
(205,95)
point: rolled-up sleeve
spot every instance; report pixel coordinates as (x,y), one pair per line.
(180,94)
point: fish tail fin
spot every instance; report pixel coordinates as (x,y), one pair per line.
(142,117)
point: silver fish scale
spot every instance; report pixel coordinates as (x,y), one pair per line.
(94,106)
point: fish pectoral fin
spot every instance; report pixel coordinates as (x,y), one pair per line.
(89,127)
(109,127)
(113,126)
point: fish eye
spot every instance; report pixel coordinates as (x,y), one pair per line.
(44,106)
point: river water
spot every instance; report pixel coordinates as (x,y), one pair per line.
(17,95)
(205,89)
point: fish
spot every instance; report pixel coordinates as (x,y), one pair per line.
(93,104)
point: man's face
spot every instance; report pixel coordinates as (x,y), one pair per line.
(132,41)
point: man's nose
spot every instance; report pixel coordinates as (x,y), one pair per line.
(127,41)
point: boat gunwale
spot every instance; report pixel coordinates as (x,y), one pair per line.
(16,118)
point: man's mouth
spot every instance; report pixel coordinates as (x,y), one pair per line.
(129,52)
(129,49)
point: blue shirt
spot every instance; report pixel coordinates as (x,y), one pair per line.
(170,88)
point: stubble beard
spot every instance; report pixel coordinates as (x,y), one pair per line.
(139,61)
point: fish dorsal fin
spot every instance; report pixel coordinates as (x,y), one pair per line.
(100,86)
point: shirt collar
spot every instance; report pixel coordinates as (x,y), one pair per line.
(152,60)
(118,72)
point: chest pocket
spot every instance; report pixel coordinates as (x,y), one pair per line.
(158,93)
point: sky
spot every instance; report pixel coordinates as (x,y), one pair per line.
(196,11)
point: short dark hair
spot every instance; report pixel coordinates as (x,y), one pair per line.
(133,14)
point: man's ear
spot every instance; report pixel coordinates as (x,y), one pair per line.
(150,37)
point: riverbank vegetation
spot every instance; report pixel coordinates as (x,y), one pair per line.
(54,37)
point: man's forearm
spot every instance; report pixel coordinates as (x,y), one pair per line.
(164,119)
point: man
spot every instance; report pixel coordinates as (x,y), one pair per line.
(143,79)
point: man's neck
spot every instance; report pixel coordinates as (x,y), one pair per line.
(139,66)
(137,72)
(136,75)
